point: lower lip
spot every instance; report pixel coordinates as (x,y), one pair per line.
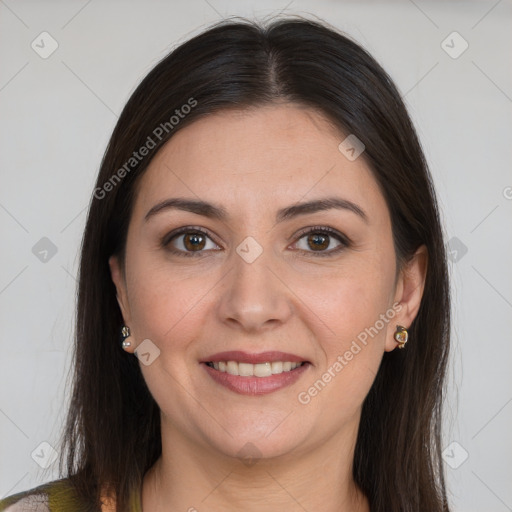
(256,385)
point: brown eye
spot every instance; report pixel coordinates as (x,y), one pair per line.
(322,241)
(194,241)
(317,241)
(189,242)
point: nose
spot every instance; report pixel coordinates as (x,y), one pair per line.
(254,297)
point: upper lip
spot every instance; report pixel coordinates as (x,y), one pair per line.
(245,357)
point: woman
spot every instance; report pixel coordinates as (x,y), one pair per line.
(262,241)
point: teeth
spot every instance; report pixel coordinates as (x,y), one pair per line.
(232,368)
(255,370)
(277,367)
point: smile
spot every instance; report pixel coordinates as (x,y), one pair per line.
(259,377)
(254,370)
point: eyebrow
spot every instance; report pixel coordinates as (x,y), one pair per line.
(219,213)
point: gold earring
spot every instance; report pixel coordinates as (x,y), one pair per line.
(125,333)
(401,336)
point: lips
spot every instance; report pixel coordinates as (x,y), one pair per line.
(256,385)
(262,357)
(255,374)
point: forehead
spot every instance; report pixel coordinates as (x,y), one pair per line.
(258,158)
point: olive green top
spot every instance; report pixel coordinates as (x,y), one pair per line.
(55,496)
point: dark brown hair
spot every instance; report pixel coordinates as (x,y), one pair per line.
(112,434)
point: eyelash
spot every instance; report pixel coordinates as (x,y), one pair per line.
(325,230)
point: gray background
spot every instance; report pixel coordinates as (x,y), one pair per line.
(56,115)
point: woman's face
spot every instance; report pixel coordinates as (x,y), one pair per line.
(264,276)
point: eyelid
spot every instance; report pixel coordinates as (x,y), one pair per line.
(342,238)
(166,239)
(324,229)
(189,228)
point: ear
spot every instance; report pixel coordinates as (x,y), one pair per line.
(117,275)
(408,293)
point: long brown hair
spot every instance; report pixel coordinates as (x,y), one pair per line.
(112,434)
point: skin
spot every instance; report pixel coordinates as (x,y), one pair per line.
(253,163)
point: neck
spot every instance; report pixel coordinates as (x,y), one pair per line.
(191,479)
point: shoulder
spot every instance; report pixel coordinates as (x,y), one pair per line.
(22,503)
(55,496)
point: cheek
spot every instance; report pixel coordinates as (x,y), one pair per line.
(168,309)
(162,302)
(351,300)
(353,315)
